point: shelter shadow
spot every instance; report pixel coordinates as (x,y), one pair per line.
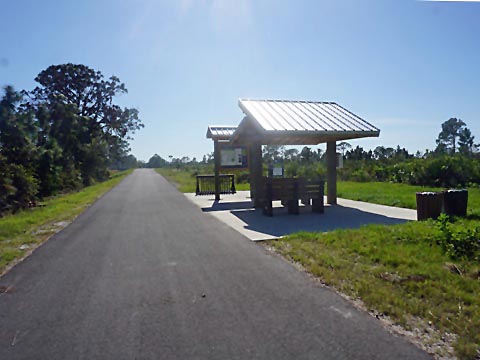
(335,217)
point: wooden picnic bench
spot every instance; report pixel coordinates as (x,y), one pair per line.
(289,191)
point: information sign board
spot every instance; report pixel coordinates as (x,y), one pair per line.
(233,157)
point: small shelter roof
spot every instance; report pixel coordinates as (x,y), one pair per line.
(220,132)
(298,123)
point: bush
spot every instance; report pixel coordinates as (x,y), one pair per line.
(361,175)
(312,171)
(18,188)
(449,171)
(463,244)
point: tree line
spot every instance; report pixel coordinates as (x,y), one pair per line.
(454,161)
(62,135)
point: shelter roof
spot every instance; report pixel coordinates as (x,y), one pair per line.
(298,122)
(219,132)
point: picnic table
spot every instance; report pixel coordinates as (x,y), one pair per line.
(289,191)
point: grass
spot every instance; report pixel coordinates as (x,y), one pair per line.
(28,228)
(399,271)
(384,193)
(185,179)
(400,195)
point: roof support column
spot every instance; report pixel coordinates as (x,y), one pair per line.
(216,156)
(332,172)
(256,172)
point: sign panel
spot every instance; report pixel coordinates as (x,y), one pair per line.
(233,157)
(277,172)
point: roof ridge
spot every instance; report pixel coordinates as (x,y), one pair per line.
(287,100)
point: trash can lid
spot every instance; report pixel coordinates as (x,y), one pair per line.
(455,190)
(426,193)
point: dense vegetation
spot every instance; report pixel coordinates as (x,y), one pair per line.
(62,135)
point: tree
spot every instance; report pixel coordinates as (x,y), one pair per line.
(466,140)
(156,161)
(126,162)
(447,138)
(343,146)
(358,153)
(272,153)
(18,186)
(74,104)
(290,154)
(383,153)
(17,130)
(401,154)
(306,154)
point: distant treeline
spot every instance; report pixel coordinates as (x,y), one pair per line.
(62,135)
(454,162)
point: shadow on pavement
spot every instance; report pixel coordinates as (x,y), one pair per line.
(228,206)
(335,217)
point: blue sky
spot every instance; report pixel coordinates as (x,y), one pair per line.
(405,66)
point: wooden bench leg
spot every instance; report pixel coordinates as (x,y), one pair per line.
(268,208)
(318,206)
(293,204)
(293,207)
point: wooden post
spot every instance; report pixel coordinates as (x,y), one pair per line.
(332,172)
(216,155)
(256,172)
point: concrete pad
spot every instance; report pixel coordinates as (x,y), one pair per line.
(237,211)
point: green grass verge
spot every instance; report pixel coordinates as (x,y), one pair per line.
(185,180)
(21,232)
(399,271)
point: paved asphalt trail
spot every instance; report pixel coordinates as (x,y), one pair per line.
(144,274)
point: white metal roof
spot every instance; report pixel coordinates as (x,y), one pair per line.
(220,132)
(300,122)
(281,115)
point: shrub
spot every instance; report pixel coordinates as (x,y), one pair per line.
(463,244)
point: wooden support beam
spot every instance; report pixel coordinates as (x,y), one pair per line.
(216,156)
(332,172)
(256,172)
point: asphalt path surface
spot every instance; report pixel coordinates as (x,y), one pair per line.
(144,274)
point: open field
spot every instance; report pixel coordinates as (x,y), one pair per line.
(22,232)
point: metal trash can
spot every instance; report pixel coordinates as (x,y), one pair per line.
(429,205)
(455,202)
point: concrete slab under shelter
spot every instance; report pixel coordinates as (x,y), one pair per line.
(238,212)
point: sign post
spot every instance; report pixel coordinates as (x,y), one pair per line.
(216,155)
